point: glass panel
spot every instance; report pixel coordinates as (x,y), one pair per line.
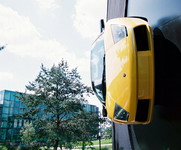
(11,111)
(98,68)
(15,123)
(1,109)
(2,134)
(1,98)
(5,110)
(7,95)
(23,123)
(4,124)
(13,96)
(10,124)
(20,123)
(16,111)
(22,105)
(21,110)
(92,109)
(6,103)
(16,99)
(16,104)
(9,135)
(4,116)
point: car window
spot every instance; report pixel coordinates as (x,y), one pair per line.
(98,68)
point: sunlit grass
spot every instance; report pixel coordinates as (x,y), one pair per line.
(103,146)
(103,141)
(96,145)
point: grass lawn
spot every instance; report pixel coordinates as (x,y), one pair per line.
(97,148)
(103,141)
(106,148)
(103,146)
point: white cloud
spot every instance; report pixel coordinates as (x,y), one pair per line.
(87,16)
(6,76)
(47,4)
(15,28)
(23,38)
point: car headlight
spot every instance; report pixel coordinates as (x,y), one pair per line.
(120,113)
(119,32)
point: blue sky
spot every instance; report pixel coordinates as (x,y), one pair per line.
(45,31)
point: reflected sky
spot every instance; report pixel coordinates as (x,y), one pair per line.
(157,11)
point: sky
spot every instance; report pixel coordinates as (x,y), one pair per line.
(39,32)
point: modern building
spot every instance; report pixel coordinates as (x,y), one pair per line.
(10,106)
(91,108)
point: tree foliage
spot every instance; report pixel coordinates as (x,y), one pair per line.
(28,136)
(55,102)
(88,127)
(2,47)
(107,132)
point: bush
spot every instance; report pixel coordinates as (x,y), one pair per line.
(3,147)
(11,146)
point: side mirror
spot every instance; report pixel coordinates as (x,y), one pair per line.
(102,25)
(104,111)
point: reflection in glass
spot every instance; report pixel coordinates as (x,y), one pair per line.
(98,68)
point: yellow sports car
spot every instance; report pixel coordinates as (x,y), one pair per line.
(122,70)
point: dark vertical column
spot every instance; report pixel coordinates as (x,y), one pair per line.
(116,8)
(121,137)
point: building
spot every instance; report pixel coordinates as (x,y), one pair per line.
(91,108)
(10,105)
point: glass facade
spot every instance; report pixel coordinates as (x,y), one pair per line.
(9,107)
(91,108)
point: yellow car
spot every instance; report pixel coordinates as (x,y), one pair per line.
(122,70)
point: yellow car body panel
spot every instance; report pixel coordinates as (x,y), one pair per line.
(129,72)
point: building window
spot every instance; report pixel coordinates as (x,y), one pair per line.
(7,95)
(5,110)
(7,103)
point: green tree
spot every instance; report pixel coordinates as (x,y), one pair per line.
(107,133)
(107,129)
(2,47)
(56,98)
(88,127)
(28,136)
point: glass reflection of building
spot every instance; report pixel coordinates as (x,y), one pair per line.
(10,106)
